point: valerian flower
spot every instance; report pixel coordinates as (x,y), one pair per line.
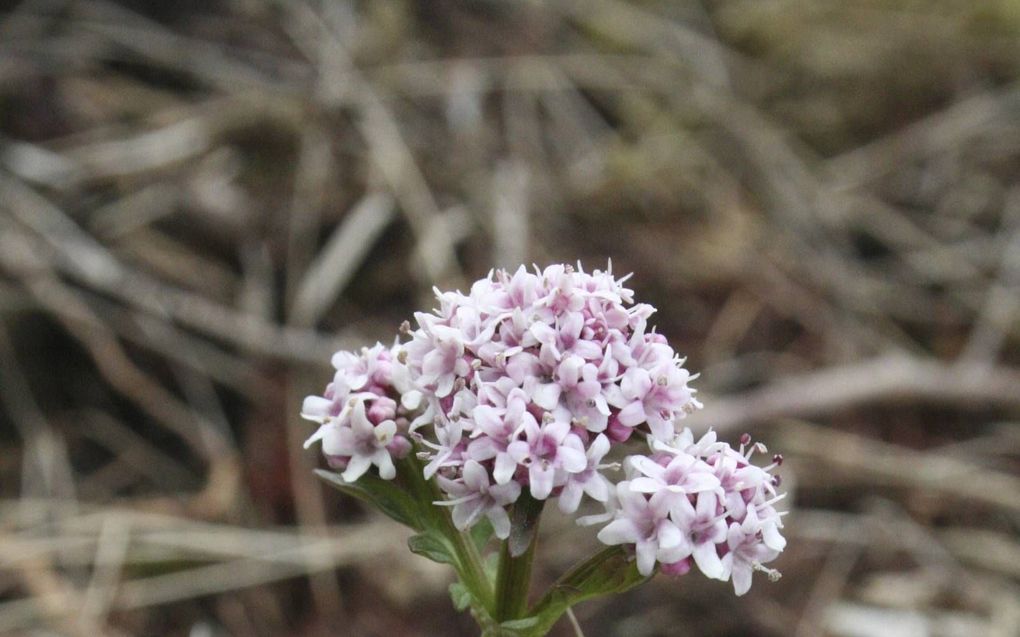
(472,497)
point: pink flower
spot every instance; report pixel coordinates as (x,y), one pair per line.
(442,365)
(747,553)
(589,480)
(683,475)
(549,450)
(364,443)
(447,451)
(705,528)
(582,393)
(653,396)
(720,504)
(498,429)
(644,522)
(473,497)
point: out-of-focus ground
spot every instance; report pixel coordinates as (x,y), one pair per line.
(200,201)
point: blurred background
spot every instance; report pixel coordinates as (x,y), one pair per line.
(201,200)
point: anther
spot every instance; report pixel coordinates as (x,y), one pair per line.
(773,574)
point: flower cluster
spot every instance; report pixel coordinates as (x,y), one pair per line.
(699,500)
(523,385)
(530,377)
(363,412)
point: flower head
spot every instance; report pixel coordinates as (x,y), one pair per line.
(359,411)
(718,502)
(545,359)
(524,385)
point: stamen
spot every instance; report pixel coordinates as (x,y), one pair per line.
(461,500)
(773,574)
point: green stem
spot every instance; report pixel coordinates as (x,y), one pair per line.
(513,578)
(469,561)
(512,582)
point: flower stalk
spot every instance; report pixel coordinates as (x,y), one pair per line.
(517,552)
(467,559)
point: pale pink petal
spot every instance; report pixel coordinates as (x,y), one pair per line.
(500,522)
(504,469)
(541,480)
(546,395)
(316,408)
(645,557)
(621,531)
(570,497)
(633,414)
(741,578)
(572,460)
(707,558)
(356,468)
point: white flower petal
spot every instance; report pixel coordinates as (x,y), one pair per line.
(741,577)
(356,468)
(620,531)
(504,468)
(707,558)
(645,557)
(316,408)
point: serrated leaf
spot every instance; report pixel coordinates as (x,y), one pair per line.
(385,495)
(430,545)
(461,596)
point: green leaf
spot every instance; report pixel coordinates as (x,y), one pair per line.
(608,571)
(385,495)
(518,625)
(431,545)
(461,596)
